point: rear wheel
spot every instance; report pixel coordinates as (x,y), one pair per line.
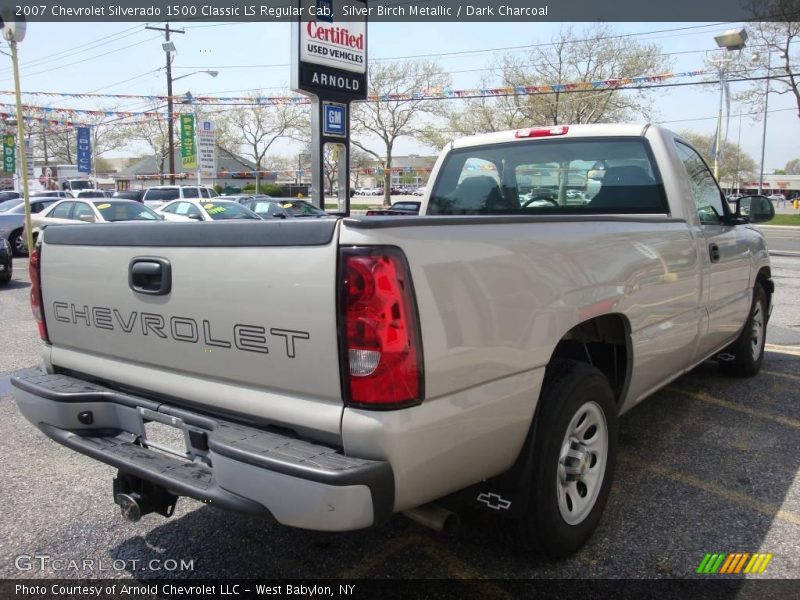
(575,454)
(746,354)
(18,245)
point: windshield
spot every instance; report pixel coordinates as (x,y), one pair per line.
(223,211)
(125,211)
(81,184)
(563,176)
(163,194)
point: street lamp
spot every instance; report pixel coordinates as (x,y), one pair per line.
(170,116)
(732,39)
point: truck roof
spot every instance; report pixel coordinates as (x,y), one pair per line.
(573,131)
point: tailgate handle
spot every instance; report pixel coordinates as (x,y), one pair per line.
(149,275)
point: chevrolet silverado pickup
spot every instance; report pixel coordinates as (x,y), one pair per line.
(334,372)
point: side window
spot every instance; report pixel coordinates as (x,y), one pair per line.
(193,211)
(706,194)
(170,208)
(190,192)
(181,208)
(62,210)
(204,193)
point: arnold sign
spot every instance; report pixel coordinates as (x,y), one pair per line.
(329,56)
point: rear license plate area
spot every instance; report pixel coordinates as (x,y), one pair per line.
(164,434)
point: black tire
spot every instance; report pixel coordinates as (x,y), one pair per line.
(17,243)
(5,279)
(748,349)
(569,388)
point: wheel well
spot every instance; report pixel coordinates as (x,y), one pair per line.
(604,343)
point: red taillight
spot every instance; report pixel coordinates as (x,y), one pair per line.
(381,350)
(37,305)
(536,132)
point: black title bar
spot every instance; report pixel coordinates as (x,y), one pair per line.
(68,11)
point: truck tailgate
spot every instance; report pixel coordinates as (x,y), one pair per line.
(249,325)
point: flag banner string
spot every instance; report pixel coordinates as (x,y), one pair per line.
(434,93)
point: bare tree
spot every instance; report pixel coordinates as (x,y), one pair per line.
(61,142)
(399,112)
(359,160)
(259,126)
(777,54)
(571,62)
(153,133)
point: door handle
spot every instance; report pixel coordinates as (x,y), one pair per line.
(713,252)
(149,275)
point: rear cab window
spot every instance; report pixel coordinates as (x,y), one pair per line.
(564,176)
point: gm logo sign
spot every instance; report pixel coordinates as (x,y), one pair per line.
(333,119)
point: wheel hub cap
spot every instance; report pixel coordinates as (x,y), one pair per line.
(582,463)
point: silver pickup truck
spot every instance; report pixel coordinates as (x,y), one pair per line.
(335,372)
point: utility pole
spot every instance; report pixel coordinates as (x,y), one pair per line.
(170,116)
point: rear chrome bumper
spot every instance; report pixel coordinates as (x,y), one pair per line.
(302,484)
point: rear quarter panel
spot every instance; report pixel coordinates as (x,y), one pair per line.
(494,299)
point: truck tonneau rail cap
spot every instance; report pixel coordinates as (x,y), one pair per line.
(215,234)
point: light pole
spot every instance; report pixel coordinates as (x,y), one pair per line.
(755,58)
(14,32)
(188,99)
(733,39)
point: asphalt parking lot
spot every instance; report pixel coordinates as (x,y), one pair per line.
(710,464)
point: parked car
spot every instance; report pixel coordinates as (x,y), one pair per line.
(91,194)
(12,221)
(9,195)
(777,197)
(9,204)
(6,262)
(51,194)
(209,210)
(283,208)
(107,210)
(330,373)
(135,195)
(160,194)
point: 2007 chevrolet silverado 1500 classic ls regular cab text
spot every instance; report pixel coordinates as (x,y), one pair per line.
(332,373)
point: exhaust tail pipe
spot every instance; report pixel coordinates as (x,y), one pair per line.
(434,516)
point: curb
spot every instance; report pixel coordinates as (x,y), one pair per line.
(782,253)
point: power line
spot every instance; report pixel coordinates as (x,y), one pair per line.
(72,51)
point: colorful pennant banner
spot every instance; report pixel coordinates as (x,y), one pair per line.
(424,94)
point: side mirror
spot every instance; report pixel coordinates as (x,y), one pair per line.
(758,209)
(195,217)
(87,218)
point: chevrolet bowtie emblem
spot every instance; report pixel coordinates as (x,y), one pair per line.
(494,501)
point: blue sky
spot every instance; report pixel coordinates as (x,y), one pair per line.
(127,59)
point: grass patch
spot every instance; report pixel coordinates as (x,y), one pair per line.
(785,220)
